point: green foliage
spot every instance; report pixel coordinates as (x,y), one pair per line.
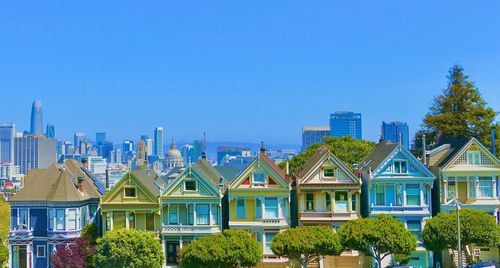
(306,244)
(4,219)
(232,248)
(128,248)
(476,227)
(90,231)
(460,111)
(4,253)
(347,149)
(377,237)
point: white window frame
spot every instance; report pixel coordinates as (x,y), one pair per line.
(75,220)
(27,216)
(329,168)
(398,163)
(254,181)
(195,186)
(44,251)
(474,158)
(64,220)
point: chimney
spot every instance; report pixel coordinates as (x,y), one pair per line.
(262,148)
(493,145)
(107,179)
(424,156)
(80,183)
(85,163)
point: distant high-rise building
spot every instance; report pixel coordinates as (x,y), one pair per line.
(158,142)
(187,153)
(395,132)
(7,133)
(141,153)
(312,135)
(226,151)
(36,118)
(107,149)
(78,140)
(127,146)
(118,155)
(100,138)
(34,151)
(197,150)
(50,132)
(149,146)
(345,124)
(144,137)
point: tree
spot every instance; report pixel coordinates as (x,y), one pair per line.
(306,244)
(128,248)
(4,253)
(232,248)
(460,111)
(377,237)
(347,149)
(79,252)
(476,227)
(4,231)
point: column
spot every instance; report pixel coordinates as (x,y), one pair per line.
(332,201)
(421,191)
(164,262)
(404,194)
(349,201)
(111,221)
(495,195)
(279,208)
(127,214)
(211,221)
(194,214)
(445,197)
(477,186)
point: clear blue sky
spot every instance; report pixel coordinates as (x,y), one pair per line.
(241,70)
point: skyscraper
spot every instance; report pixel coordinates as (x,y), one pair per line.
(100,138)
(36,118)
(141,153)
(345,124)
(312,135)
(396,131)
(158,142)
(7,133)
(197,150)
(34,151)
(50,132)
(78,139)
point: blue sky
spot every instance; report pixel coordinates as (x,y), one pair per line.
(241,70)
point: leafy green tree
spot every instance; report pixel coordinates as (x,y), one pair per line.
(306,244)
(232,248)
(476,227)
(460,111)
(347,149)
(4,231)
(377,237)
(128,248)
(4,253)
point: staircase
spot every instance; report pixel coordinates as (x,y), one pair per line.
(465,260)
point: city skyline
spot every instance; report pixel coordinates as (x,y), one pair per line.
(229,79)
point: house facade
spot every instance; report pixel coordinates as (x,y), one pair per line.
(191,208)
(53,207)
(469,172)
(328,194)
(396,183)
(133,203)
(259,202)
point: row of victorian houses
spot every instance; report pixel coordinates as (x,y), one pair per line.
(200,200)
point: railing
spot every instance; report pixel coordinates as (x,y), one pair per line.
(191,228)
(63,234)
(274,221)
(399,208)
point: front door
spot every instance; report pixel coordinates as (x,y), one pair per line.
(172,250)
(19,258)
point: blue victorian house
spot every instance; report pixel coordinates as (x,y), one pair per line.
(397,184)
(52,209)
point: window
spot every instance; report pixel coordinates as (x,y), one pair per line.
(118,219)
(473,158)
(131,220)
(379,195)
(283,208)
(60,219)
(271,208)
(150,221)
(485,187)
(353,205)
(269,238)
(328,201)
(190,214)
(341,201)
(309,201)
(240,208)
(472,187)
(202,215)
(452,190)
(400,167)
(130,192)
(40,251)
(215,214)
(415,228)
(399,194)
(83,217)
(92,211)
(426,195)
(51,219)
(413,195)
(23,218)
(259,178)
(108,221)
(190,185)
(172,214)
(258,208)
(72,219)
(329,172)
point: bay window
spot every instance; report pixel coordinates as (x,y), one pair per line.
(328,201)
(51,219)
(399,194)
(309,201)
(258,208)
(118,219)
(283,208)
(72,219)
(379,195)
(202,215)
(215,214)
(485,187)
(240,208)
(131,220)
(60,219)
(412,195)
(150,221)
(172,214)
(190,214)
(23,218)
(341,201)
(271,208)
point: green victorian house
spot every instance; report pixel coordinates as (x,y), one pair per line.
(133,203)
(191,207)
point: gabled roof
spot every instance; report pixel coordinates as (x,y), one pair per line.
(269,162)
(209,172)
(378,155)
(320,153)
(228,172)
(58,183)
(149,179)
